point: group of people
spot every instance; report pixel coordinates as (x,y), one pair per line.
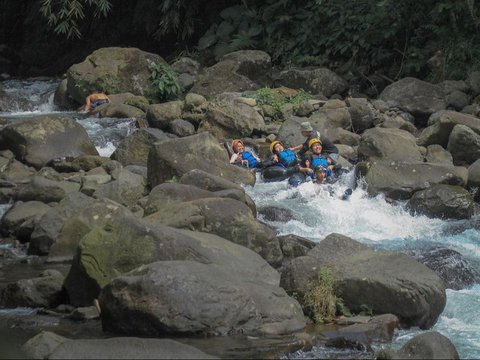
(315,158)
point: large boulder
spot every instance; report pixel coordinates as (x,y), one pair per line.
(442,201)
(238,71)
(317,81)
(125,242)
(417,97)
(439,132)
(474,178)
(387,282)
(453,268)
(48,345)
(398,180)
(225,217)
(187,297)
(133,150)
(161,115)
(389,144)
(43,189)
(226,117)
(43,291)
(38,140)
(429,345)
(20,213)
(96,213)
(114,70)
(47,229)
(202,151)
(464,145)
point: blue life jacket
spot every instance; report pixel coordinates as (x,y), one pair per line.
(252,162)
(318,160)
(287,158)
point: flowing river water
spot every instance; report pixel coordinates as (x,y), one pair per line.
(372,221)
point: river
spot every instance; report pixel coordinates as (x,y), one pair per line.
(372,221)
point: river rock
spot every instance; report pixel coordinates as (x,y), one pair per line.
(272,213)
(161,115)
(126,189)
(225,217)
(43,291)
(126,242)
(442,201)
(399,180)
(133,150)
(387,282)
(191,297)
(238,71)
(96,213)
(20,213)
(112,110)
(415,96)
(389,144)
(176,157)
(226,117)
(437,154)
(439,132)
(429,345)
(43,189)
(181,128)
(48,227)
(48,345)
(464,145)
(116,69)
(316,81)
(46,137)
(474,178)
(208,181)
(361,112)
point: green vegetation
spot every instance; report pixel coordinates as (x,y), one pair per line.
(276,99)
(164,82)
(320,299)
(354,38)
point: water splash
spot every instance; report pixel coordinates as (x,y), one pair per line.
(24,97)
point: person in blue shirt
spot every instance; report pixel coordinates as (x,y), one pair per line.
(316,160)
(248,159)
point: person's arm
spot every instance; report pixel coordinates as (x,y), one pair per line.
(296,148)
(234,159)
(86,108)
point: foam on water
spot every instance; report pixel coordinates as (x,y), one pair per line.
(319,212)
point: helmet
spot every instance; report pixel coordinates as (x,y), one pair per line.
(272,146)
(320,168)
(314,141)
(235,144)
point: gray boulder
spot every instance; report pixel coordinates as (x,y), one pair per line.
(161,115)
(112,69)
(387,282)
(429,345)
(474,178)
(207,181)
(48,345)
(389,144)
(43,189)
(464,145)
(453,268)
(439,132)
(417,97)
(442,201)
(47,229)
(185,297)
(125,242)
(21,212)
(182,128)
(202,151)
(38,140)
(316,81)
(133,150)
(225,217)
(437,154)
(399,180)
(43,291)
(238,71)
(229,117)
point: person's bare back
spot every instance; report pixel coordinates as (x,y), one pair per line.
(95,99)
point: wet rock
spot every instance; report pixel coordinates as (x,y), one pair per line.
(189,297)
(272,213)
(442,201)
(456,271)
(44,291)
(48,345)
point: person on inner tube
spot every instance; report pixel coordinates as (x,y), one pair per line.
(316,160)
(241,157)
(286,158)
